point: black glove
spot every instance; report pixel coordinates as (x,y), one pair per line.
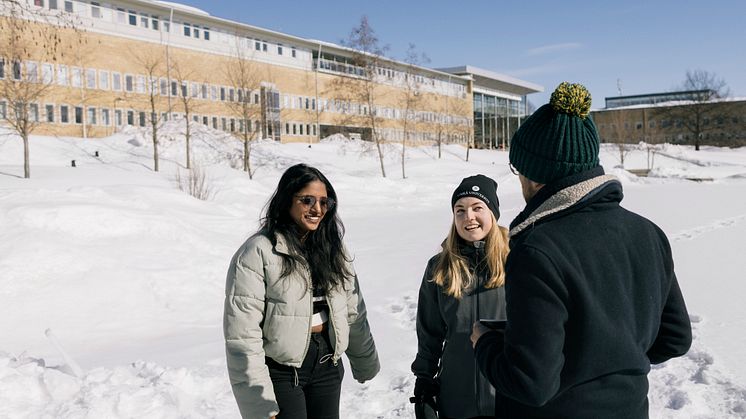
(425,391)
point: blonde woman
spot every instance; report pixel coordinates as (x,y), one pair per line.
(462,284)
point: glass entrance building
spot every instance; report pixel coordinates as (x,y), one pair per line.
(500,104)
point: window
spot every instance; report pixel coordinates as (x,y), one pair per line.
(222,93)
(52,4)
(118,117)
(257,45)
(49,110)
(154,23)
(196,31)
(129,83)
(205,120)
(194,89)
(64,114)
(105,117)
(142,119)
(116,81)
(103,80)
(214,92)
(144,19)
(214,122)
(68,6)
(231,94)
(166,26)
(91,116)
(279,49)
(2,68)
(206,33)
(39,3)
(78,115)
(132,16)
(130,118)
(76,77)
(204,91)
(32,71)
(140,84)
(121,16)
(96,10)
(33,112)
(292,52)
(47,73)
(164,87)
(16,70)
(174,89)
(184,89)
(264,46)
(187,30)
(3,110)
(90,78)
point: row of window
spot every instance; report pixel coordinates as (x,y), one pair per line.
(678,123)
(154,22)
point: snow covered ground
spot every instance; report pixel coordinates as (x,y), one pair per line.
(126,271)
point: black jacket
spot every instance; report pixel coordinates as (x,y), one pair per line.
(592,301)
(444,352)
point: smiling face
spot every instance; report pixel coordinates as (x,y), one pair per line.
(473,219)
(308,217)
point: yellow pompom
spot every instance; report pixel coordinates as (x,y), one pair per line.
(572,99)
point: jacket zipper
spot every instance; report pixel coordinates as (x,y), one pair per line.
(309,291)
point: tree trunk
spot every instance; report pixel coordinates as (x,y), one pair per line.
(247,156)
(187,136)
(468,147)
(440,142)
(403,150)
(155,149)
(26,163)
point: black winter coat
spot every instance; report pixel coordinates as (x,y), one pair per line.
(444,352)
(592,301)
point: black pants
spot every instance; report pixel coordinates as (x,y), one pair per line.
(311,391)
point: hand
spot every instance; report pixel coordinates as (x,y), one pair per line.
(477,330)
(425,391)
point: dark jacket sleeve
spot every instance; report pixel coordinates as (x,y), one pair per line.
(675,333)
(431,329)
(528,369)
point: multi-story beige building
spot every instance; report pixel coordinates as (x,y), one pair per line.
(673,117)
(117,61)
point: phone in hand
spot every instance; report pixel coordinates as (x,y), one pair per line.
(494,324)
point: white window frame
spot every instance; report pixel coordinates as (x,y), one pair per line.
(105,117)
(140,83)
(47,73)
(76,77)
(66,113)
(90,78)
(91,118)
(32,71)
(3,110)
(46,113)
(103,80)
(129,83)
(116,81)
(96,10)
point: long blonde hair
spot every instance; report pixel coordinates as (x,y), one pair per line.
(452,270)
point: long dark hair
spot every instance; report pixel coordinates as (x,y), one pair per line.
(322,250)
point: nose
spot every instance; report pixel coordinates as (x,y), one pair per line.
(316,207)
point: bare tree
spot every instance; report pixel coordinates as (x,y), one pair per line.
(620,135)
(189,92)
(151,61)
(30,40)
(243,75)
(360,84)
(694,115)
(410,98)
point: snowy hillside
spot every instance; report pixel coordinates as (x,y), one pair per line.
(127,271)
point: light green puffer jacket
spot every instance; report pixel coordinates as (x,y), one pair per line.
(269,315)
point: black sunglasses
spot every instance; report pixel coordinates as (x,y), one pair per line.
(310,200)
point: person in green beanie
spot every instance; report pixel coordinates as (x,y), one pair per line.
(592,297)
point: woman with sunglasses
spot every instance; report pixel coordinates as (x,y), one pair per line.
(462,285)
(293,306)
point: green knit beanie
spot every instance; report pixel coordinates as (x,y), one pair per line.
(559,139)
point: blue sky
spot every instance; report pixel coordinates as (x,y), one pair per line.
(647,45)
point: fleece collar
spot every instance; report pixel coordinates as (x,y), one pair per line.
(563,199)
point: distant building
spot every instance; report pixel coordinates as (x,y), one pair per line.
(103,85)
(673,117)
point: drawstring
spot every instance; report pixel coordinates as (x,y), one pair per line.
(325,358)
(295,377)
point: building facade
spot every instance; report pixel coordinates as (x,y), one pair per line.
(673,117)
(133,62)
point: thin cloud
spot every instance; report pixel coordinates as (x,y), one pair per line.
(551,68)
(549,49)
